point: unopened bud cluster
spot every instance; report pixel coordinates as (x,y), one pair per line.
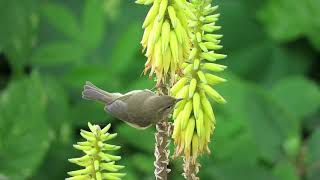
(194,120)
(96,163)
(165,37)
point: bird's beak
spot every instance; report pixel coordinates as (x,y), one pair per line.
(180,99)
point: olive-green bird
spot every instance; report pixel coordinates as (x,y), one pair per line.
(138,108)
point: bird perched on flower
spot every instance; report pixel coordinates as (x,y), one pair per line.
(138,108)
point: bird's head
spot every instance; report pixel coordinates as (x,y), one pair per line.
(166,104)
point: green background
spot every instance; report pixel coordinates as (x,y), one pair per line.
(268,130)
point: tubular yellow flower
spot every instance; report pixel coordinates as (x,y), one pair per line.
(194,119)
(165,38)
(98,165)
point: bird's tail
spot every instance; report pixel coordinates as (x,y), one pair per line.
(92,92)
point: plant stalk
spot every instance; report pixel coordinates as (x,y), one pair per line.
(190,169)
(161,151)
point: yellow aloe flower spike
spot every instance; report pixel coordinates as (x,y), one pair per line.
(165,39)
(194,120)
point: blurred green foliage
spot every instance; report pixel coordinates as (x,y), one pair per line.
(270,128)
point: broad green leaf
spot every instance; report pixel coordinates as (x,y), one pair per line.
(141,83)
(19,23)
(143,163)
(235,171)
(232,141)
(58,110)
(84,111)
(142,140)
(2,177)
(93,23)
(251,53)
(62,19)
(299,95)
(287,20)
(99,74)
(58,53)
(271,124)
(112,8)
(23,128)
(285,170)
(312,159)
(126,48)
(130,169)
(55,164)
(234,14)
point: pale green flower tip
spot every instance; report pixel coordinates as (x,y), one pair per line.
(116,158)
(72,160)
(111,136)
(223,67)
(120,167)
(122,174)
(224,102)
(91,127)
(115,148)
(106,129)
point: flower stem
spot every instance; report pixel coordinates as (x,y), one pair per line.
(161,151)
(190,169)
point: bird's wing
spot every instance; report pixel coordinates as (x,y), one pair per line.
(118,109)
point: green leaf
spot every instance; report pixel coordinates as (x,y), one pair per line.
(57,54)
(19,20)
(313,156)
(235,14)
(23,128)
(236,171)
(62,19)
(83,111)
(99,74)
(143,163)
(232,140)
(298,95)
(287,20)
(126,48)
(143,140)
(112,9)
(93,23)
(271,124)
(285,170)
(57,110)
(251,47)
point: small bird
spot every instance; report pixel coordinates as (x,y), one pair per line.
(138,108)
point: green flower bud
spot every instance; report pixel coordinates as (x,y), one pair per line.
(97,162)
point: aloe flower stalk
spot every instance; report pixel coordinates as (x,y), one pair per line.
(166,44)
(165,38)
(194,120)
(97,163)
